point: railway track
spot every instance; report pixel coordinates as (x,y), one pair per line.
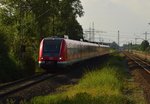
(140,70)
(140,62)
(13,87)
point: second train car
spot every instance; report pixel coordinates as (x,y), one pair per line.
(62,52)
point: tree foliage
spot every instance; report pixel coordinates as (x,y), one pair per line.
(26,22)
(114,45)
(49,17)
(144,45)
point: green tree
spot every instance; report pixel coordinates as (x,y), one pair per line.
(144,45)
(26,22)
(49,17)
(69,11)
(8,66)
(19,31)
(114,45)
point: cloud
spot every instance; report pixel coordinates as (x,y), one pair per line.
(140,7)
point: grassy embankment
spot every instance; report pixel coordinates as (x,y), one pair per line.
(100,86)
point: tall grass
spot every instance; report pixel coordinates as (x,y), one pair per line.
(100,86)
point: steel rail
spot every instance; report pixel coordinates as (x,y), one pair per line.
(20,85)
(140,63)
(18,81)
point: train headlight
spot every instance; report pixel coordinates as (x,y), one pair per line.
(41,62)
(60,58)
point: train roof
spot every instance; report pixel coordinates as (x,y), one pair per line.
(107,46)
(53,38)
(57,38)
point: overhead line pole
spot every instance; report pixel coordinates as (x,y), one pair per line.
(90,32)
(118,37)
(93,32)
(135,40)
(146,33)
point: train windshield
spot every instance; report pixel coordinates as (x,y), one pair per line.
(51,47)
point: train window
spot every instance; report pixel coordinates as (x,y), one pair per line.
(51,47)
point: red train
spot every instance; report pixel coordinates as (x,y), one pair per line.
(62,52)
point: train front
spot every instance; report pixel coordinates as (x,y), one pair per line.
(51,51)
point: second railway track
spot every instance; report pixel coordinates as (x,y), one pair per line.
(140,71)
(142,63)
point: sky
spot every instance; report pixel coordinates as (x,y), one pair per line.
(129,17)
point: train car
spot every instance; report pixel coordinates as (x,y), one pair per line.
(63,52)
